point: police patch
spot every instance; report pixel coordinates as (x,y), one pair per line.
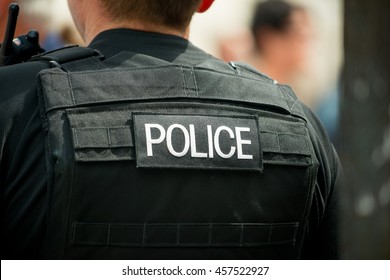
(199,142)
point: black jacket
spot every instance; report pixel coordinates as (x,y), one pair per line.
(23,175)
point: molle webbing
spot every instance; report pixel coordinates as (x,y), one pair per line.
(281,141)
(183,235)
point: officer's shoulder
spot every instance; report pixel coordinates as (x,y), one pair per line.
(26,68)
(18,78)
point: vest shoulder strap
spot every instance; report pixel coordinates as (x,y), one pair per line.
(62,57)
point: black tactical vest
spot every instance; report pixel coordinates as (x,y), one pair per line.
(166,161)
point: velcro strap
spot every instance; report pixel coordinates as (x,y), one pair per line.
(102,137)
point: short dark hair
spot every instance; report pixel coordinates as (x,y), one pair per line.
(273,14)
(170,13)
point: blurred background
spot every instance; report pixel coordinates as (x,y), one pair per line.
(333,53)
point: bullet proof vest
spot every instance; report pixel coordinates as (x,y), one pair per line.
(160,160)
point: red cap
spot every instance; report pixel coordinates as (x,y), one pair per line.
(205,5)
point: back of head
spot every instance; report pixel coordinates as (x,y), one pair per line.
(167,13)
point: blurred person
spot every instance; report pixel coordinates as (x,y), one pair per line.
(283,42)
(282,35)
(235,47)
(143,146)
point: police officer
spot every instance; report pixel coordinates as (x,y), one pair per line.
(143,146)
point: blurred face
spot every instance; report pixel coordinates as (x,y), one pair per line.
(290,47)
(297,40)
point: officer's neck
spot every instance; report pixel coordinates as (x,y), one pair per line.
(93,30)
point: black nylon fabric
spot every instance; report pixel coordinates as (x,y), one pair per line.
(101,198)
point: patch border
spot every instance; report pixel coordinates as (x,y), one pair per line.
(260,167)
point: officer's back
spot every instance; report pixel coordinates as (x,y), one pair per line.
(169,153)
